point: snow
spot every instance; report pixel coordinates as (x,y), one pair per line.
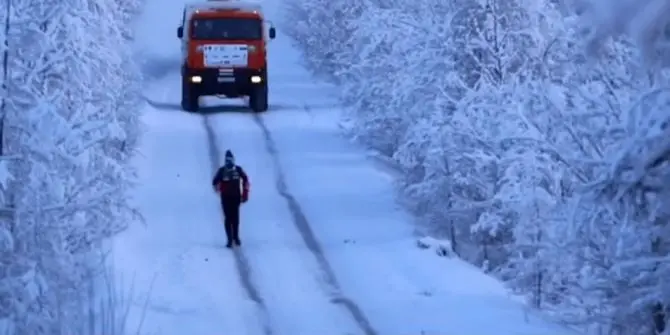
(643,21)
(441,247)
(5,174)
(326,248)
(177,260)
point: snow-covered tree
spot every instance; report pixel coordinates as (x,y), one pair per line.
(532,133)
(70,125)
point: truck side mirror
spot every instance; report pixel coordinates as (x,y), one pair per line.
(273,33)
(180,32)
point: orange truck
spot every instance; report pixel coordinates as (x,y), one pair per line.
(224,51)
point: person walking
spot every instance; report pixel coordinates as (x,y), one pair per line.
(232,184)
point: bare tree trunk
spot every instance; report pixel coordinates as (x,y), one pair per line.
(6,216)
(539,275)
(658,314)
(658,317)
(452,237)
(5,77)
(452,228)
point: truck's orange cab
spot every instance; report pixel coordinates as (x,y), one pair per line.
(224,52)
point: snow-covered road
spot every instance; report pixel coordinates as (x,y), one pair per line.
(325,248)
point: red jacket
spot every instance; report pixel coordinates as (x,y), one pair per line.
(232,182)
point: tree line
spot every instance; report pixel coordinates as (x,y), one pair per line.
(69,125)
(531,134)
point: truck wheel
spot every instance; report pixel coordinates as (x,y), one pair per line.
(258,99)
(189,98)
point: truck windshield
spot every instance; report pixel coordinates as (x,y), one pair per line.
(227,29)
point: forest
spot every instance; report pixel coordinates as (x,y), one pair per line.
(530,134)
(69,125)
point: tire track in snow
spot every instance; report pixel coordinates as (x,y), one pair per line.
(241,262)
(308,236)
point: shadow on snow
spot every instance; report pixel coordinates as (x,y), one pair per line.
(214,109)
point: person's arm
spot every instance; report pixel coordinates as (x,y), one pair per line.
(243,175)
(245,183)
(217,178)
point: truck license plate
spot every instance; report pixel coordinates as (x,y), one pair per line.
(225,79)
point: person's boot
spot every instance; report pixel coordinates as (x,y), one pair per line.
(235,229)
(229,234)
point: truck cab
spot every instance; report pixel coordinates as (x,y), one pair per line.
(224,52)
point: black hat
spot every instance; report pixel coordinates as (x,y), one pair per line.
(230,159)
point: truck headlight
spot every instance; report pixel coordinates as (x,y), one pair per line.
(256,79)
(196,79)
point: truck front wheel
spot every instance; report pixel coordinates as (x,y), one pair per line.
(258,99)
(189,96)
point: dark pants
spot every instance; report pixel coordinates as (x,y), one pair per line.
(231,213)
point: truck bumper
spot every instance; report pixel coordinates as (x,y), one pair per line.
(231,82)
